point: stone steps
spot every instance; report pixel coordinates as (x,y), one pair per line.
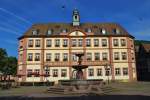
(62,90)
(56,90)
(107,89)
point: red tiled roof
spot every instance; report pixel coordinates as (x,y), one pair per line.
(57,28)
(146,47)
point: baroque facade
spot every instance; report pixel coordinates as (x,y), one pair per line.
(47,51)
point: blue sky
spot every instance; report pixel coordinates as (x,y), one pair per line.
(16,16)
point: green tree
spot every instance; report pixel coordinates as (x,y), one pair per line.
(8,65)
(3,55)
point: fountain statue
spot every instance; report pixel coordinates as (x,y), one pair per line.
(79,84)
(78,68)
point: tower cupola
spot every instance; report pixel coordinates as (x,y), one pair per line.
(76,18)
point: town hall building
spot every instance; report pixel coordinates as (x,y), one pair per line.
(46,52)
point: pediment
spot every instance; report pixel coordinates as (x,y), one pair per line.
(77,33)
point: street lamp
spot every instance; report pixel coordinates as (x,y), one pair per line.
(108,69)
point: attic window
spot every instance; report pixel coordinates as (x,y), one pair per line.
(64,30)
(116,31)
(35,32)
(103,31)
(88,30)
(49,32)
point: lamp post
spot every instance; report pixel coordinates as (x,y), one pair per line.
(107,68)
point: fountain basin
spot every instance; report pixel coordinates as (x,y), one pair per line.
(80,82)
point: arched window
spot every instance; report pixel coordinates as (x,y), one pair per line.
(76,17)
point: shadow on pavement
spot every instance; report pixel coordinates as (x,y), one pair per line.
(84,97)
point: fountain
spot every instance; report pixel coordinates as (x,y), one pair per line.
(79,84)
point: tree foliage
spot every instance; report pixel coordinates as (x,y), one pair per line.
(8,64)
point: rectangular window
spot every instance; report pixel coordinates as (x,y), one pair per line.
(115,42)
(47,72)
(74,42)
(124,56)
(104,56)
(57,56)
(80,41)
(99,72)
(116,56)
(91,72)
(37,56)
(123,42)
(30,43)
(63,72)
(48,43)
(104,42)
(88,42)
(65,57)
(97,56)
(96,42)
(36,73)
(30,56)
(37,43)
(74,57)
(55,72)
(57,42)
(48,56)
(65,43)
(125,71)
(89,56)
(29,73)
(117,71)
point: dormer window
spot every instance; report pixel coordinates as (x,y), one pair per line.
(103,31)
(88,30)
(116,31)
(35,32)
(49,32)
(64,30)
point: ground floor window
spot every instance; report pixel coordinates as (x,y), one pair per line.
(29,73)
(99,72)
(91,72)
(55,72)
(63,72)
(125,71)
(36,72)
(47,72)
(117,71)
